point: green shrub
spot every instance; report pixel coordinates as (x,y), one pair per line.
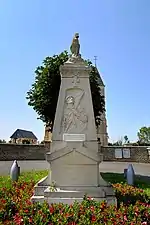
(130,195)
(16,208)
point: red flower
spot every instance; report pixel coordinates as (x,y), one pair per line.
(125,218)
(18,219)
(89,198)
(3,201)
(51,209)
(92,208)
(93,218)
(30,220)
(26,210)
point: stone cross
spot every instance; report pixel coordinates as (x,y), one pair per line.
(95,59)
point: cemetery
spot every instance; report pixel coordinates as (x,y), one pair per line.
(74,191)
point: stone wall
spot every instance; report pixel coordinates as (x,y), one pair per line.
(37,152)
(22,152)
(136,153)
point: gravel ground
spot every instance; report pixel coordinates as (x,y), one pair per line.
(116,167)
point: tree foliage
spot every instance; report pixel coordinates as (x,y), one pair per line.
(2,141)
(44,92)
(126,140)
(122,141)
(144,135)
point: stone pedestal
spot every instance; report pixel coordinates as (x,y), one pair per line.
(74,157)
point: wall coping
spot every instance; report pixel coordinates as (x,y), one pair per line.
(11,144)
(128,146)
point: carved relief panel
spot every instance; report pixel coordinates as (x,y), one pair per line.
(75,118)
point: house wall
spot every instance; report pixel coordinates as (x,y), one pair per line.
(37,152)
(20,140)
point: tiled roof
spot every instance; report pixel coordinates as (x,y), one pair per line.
(23,134)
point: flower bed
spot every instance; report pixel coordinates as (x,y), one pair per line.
(130,195)
(16,208)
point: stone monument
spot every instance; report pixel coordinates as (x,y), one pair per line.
(74,157)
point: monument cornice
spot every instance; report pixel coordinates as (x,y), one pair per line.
(95,156)
(81,71)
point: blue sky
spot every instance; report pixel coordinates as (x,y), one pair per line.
(118,32)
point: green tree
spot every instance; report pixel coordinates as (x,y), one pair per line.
(144,135)
(118,143)
(126,140)
(44,92)
(2,141)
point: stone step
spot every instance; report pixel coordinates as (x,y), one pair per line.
(99,193)
(37,199)
(68,201)
(39,190)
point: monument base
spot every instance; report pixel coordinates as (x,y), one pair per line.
(74,173)
(68,195)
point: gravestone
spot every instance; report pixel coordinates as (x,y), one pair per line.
(130,175)
(14,171)
(74,157)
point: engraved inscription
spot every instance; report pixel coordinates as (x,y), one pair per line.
(74,137)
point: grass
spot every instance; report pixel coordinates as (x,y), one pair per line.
(33,175)
(140,181)
(16,207)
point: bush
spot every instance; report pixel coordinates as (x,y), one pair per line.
(16,208)
(87,212)
(130,195)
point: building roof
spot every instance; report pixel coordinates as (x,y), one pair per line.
(23,134)
(100,81)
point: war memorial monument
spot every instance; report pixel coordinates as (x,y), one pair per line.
(74,157)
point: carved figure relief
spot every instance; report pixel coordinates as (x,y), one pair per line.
(75,118)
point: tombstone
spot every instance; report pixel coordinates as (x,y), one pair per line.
(74,157)
(125,173)
(14,171)
(130,175)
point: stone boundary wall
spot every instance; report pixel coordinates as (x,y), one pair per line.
(9,152)
(22,152)
(126,153)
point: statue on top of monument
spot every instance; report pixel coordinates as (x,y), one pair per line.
(75,46)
